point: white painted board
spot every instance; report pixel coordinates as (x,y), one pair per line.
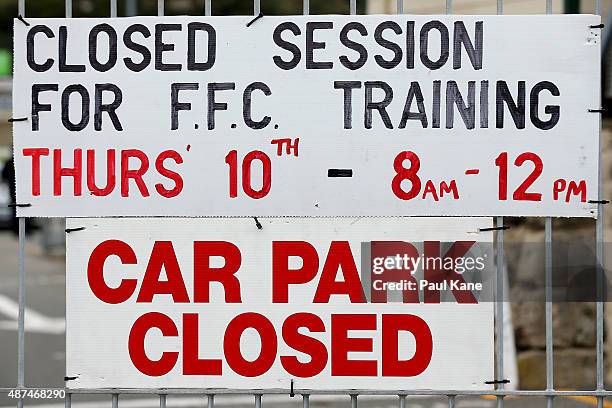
(547,142)
(104,345)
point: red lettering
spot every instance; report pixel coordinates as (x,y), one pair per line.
(339,257)
(36,153)
(74,172)
(342,345)
(392,324)
(231,344)
(178,180)
(282,276)
(449,188)
(110,173)
(136,175)
(192,364)
(204,274)
(305,344)
(163,256)
(95,271)
(136,347)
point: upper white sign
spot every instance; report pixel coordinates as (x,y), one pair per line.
(314,115)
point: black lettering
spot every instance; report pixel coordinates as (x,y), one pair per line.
(454,98)
(379,106)
(212,104)
(484,104)
(175,105)
(414,92)
(427,27)
(390,45)
(40,107)
(286,45)
(80,89)
(110,108)
(355,46)
(161,47)
(211,54)
(34,66)
(553,110)
(474,50)
(136,47)
(348,87)
(63,67)
(93,47)
(246,105)
(312,45)
(410,44)
(517,110)
(435,105)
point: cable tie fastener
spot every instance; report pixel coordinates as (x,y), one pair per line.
(597,26)
(599,201)
(15,205)
(600,110)
(257,17)
(69,230)
(11,120)
(20,18)
(257,223)
(291,393)
(503,227)
(70,378)
(498,382)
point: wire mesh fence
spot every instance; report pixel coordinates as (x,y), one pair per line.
(549,393)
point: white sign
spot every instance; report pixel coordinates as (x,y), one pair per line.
(235,304)
(307,115)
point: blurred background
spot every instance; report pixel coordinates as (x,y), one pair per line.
(574,324)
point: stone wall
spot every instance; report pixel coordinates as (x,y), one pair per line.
(573,323)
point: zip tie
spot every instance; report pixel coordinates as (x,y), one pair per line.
(70,378)
(20,18)
(503,227)
(257,223)
(600,110)
(257,17)
(597,26)
(69,230)
(11,120)
(15,205)
(291,393)
(498,382)
(599,201)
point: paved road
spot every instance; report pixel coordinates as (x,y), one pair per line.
(45,344)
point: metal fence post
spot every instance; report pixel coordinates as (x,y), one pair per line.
(499,311)
(549,315)
(21,316)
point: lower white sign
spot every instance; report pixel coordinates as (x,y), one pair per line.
(273,303)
